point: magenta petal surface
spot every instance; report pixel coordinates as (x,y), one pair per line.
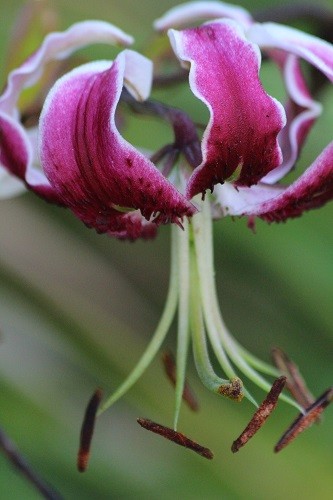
(240,140)
(191,12)
(98,174)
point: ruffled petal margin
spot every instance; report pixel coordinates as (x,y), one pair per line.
(240,141)
(96,173)
(17,152)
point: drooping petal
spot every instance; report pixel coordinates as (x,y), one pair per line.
(276,36)
(191,12)
(240,140)
(277,203)
(98,174)
(17,153)
(301,110)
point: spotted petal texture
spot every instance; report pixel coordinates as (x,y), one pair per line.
(240,140)
(96,173)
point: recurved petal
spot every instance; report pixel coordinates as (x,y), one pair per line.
(98,174)
(301,110)
(276,36)
(191,12)
(58,45)
(276,203)
(240,141)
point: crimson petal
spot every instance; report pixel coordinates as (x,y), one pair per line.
(240,141)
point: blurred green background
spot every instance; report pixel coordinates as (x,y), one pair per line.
(77,309)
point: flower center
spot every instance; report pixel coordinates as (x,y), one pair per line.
(192,292)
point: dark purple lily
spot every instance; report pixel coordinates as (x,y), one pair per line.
(78,159)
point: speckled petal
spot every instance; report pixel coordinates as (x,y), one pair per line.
(240,141)
(98,174)
(191,12)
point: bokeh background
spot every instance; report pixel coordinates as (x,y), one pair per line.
(77,309)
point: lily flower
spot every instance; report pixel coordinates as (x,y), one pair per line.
(250,143)
(252,191)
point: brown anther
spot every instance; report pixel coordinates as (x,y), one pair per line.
(295,382)
(170,370)
(232,390)
(303,421)
(175,437)
(261,415)
(87,430)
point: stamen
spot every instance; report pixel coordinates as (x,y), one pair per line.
(170,370)
(303,421)
(261,415)
(87,430)
(175,437)
(232,390)
(183,330)
(222,341)
(295,382)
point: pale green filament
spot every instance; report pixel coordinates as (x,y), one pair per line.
(182,244)
(200,351)
(216,328)
(160,332)
(192,288)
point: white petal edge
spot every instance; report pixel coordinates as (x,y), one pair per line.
(58,45)
(317,52)
(243,200)
(192,12)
